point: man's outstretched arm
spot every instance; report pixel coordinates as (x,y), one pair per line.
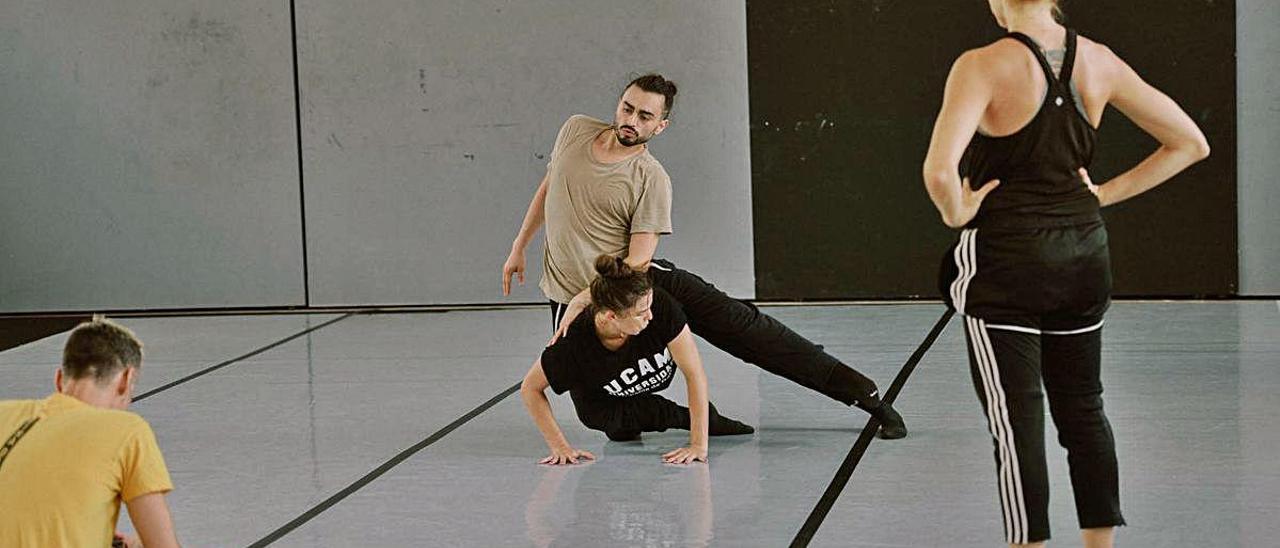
(533,219)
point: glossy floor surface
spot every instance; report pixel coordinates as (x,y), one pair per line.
(264,440)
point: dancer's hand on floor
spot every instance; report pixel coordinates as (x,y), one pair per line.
(685,455)
(566,455)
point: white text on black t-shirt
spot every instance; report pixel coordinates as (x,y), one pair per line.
(648,373)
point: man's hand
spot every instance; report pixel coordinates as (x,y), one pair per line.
(121,540)
(514,265)
(576,305)
(685,455)
(566,455)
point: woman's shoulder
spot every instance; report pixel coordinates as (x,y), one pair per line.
(1005,53)
(663,299)
(583,326)
(1097,56)
(980,63)
(667,313)
(1006,57)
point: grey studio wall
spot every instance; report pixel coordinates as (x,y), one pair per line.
(1259,116)
(426,126)
(149,156)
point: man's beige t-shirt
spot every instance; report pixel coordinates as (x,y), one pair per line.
(593,208)
(62,482)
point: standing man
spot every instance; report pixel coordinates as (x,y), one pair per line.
(605,194)
(70,459)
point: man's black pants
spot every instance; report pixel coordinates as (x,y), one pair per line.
(742,330)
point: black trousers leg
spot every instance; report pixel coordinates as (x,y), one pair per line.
(1072,367)
(557,312)
(1006,373)
(626,418)
(752,336)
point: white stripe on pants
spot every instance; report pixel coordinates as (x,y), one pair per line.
(966,258)
(1012,500)
(557,315)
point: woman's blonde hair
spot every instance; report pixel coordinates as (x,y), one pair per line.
(1057,8)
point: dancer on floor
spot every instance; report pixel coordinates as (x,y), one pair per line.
(605,194)
(615,359)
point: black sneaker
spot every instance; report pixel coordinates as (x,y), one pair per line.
(892,426)
(721,425)
(724,426)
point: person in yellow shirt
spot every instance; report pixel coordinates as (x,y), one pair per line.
(67,461)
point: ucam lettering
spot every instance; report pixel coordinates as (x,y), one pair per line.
(649,373)
(661,360)
(648,383)
(613,388)
(645,368)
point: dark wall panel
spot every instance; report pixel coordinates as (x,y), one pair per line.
(843,98)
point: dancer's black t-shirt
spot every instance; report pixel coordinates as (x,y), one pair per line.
(580,363)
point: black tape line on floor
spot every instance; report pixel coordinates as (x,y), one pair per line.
(213,368)
(819,513)
(384,468)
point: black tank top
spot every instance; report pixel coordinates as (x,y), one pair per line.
(1037,166)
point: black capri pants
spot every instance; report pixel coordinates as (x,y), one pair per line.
(1033,301)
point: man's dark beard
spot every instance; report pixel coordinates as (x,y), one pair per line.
(629,141)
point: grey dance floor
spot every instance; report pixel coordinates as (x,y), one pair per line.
(262,442)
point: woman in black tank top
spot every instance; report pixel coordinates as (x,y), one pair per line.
(1030,271)
(1038,163)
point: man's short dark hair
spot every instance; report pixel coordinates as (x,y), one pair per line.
(100,348)
(655,83)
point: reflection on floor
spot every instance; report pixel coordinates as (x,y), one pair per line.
(256,444)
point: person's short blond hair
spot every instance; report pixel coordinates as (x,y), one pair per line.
(100,348)
(1057,8)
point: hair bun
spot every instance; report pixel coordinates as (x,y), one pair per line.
(608,266)
(617,286)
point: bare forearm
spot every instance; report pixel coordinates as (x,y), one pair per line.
(944,190)
(533,218)
(699,413)
(150,516)
(1161,166)
(582,299)
(640,250)
(540,410)
(687,359)
(640,264)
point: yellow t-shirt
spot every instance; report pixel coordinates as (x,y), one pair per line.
(62,482)
(593,208)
